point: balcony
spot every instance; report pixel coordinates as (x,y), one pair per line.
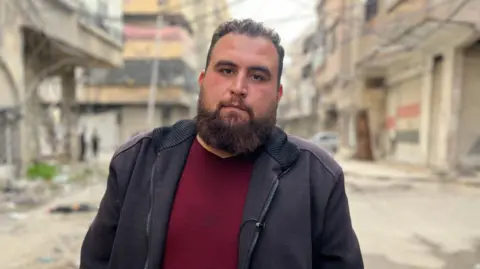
(416,24)
(150,6)
(129,85)
(175,43)
(84,34)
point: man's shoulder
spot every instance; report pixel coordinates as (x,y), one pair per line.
(322,157)
(156,138)
(133,141)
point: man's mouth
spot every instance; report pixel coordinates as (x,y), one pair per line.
(235,107)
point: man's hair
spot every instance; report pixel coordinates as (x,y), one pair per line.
(249,28)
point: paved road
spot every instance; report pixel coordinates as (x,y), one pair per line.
(416,226)
(400,226)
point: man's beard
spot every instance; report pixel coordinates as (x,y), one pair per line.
(230,133)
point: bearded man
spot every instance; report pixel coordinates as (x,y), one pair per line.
(228,189)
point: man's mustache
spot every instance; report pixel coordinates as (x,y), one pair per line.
(238,105)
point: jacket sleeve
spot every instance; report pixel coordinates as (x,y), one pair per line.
(337,246)
(98,243)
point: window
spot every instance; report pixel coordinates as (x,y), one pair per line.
(371,9)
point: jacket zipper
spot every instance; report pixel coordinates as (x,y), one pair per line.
(260,224)
(149,216)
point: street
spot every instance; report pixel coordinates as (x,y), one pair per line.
(416,225)
(389,88)
(408,225)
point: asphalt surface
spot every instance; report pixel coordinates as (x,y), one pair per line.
(400,226)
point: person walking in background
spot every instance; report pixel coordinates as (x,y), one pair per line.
(83,145)
(229,189)
(95,140)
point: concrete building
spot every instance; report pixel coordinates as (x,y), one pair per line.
(410,94)
(297,111)
(429,82)
(39,40)
(205,16)
(123,93)
(333,61)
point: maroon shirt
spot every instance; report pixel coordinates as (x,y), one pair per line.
(207,212)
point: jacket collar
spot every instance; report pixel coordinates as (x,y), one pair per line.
(277,146)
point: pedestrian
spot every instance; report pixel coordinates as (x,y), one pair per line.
(83,145)
(228,189)
(95,143)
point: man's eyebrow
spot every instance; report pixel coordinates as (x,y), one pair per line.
(260,68)
(225,63)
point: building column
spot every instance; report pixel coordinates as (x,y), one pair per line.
(29,138)
(426,107)
(450,106)
(69,114)
(455,107)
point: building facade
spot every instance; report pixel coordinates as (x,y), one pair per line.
(205,16)
(409,95)
(174,44)
(40,40)
(125,92)
(297,112)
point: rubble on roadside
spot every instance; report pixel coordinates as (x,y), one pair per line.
(19,196)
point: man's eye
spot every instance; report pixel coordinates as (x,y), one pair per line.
(226,71)
(258,78)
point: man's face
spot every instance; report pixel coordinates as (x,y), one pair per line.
(239,93)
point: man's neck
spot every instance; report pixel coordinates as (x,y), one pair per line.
(219,153)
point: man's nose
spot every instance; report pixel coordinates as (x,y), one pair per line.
(239,84)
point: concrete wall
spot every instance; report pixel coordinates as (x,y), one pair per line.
(8,93)
(11,55)
(403,119)
(108,129)
(132,119)
(133,95)
(468,138)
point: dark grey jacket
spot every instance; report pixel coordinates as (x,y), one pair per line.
(296,215)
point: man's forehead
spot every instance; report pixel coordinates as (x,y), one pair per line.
(245,46)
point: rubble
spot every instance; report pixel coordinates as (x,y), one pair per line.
(18,197)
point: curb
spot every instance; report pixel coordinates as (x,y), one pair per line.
(422,179)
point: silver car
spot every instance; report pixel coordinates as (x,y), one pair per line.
(326,140)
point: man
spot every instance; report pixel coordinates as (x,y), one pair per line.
(95,140)
(82,144)
(229,189)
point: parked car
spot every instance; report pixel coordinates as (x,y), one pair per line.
(326,140)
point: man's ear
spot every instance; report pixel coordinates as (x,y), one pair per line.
(201,77)
(280,93)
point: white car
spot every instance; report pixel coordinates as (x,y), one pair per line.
(326,140)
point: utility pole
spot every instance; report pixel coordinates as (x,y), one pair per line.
(152,98)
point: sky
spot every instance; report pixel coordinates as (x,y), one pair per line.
(288,17)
